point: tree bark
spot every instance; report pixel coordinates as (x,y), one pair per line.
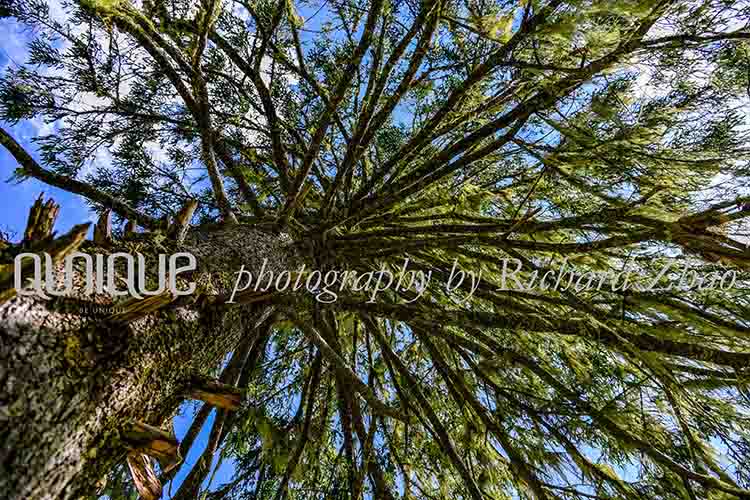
(71,382)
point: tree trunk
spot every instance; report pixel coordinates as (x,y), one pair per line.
(72,382)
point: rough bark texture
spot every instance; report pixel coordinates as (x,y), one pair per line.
(70,381)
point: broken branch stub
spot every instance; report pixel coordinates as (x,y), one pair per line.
(42,217)
(181,223)
(144,477)
(215,393)
(103,229)
(155,442)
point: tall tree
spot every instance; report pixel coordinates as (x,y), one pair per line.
(539,142)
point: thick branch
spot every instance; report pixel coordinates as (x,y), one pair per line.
(33,169)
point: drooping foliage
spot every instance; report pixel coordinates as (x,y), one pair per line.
(603,136)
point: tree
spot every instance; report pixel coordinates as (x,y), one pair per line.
(516,139)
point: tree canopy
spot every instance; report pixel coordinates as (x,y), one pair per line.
(604,135)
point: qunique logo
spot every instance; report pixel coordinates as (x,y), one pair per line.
(104,280)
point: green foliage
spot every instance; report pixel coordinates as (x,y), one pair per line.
(594,140)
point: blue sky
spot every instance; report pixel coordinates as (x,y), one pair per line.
(15,198)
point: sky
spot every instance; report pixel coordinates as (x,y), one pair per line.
(16,199)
